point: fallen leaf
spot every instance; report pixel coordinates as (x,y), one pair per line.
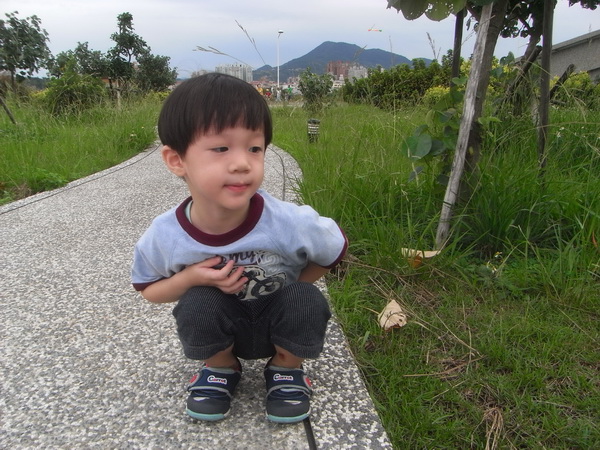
(416,257)
(392,316)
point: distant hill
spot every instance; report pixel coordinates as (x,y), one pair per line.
(318,58)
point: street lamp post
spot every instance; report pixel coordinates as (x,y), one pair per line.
(278,90)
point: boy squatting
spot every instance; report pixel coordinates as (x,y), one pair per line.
(240,263)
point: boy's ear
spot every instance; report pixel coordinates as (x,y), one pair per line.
(173,161)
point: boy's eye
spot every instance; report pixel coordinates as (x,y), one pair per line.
(256,149)
(220,149)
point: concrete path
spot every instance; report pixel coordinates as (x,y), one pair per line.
(85,362)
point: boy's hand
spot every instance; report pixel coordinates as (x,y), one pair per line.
(226,279)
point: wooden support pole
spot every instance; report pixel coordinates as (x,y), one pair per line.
(466,124)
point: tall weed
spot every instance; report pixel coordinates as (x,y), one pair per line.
(44,152)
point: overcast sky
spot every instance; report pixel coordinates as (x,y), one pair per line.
(175,28)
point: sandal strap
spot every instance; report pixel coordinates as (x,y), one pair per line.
(215,379)
(283,378)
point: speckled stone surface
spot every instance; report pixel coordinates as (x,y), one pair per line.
(85,362)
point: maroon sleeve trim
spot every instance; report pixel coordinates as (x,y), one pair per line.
(342,253)
(141,286)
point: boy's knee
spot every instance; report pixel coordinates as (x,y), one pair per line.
(302,294)
(304,302)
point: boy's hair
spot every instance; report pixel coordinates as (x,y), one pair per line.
(211,102)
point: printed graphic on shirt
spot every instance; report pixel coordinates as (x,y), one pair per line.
(263,270)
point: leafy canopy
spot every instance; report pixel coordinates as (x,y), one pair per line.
(23,48)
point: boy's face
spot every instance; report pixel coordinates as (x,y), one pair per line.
(223,171)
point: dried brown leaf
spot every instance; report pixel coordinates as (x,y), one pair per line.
(416,257)
(392,316)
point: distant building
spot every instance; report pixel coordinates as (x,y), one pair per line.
(357,72)
(582,51)
(344,70)
(241,71)
(339,69)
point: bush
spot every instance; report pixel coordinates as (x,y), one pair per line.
(402,85)
(579,89)
(73,93)
(315,89)
(434,94)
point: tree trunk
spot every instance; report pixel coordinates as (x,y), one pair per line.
(545,84)
(489,30)
(458,33)
(495,25)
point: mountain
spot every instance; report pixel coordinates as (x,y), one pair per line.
(318,58)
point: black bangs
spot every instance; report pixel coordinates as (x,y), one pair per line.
(212,102)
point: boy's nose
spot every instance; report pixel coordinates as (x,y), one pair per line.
(240,163)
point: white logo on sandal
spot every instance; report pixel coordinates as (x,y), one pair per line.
(213,379)
(279,377)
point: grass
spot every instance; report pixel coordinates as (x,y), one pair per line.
(44,152)
(502,347)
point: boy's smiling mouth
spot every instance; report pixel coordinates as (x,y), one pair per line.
(238,187)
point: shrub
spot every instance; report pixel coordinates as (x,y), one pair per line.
(434,94)
(73,93)
(579,89)
(315,89)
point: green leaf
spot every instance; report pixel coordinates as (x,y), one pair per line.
(445,102)
(410,145)
(420,130)
(414,9)
(458,5)
(413,175)
(437,147)
(447,116)
(457,95)
(423,146)
(431,117)
(459,81)
(442,179)
(439,10)
(450,142)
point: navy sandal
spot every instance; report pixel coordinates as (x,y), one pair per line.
(288,394)
(211,391)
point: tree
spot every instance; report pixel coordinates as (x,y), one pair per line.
(494,17)
(490,25)
(526,19)
(314,89)
(84,60)
(154,73)
(23,48)
(128,47)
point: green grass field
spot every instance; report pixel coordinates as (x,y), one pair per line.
(502,345)
(44,152)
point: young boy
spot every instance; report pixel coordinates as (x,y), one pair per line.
(239,262)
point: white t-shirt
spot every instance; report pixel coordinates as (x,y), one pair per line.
(274,244)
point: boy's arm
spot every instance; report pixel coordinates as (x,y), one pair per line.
(201,274)
(312,272)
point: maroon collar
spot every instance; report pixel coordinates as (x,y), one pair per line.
(257,203)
